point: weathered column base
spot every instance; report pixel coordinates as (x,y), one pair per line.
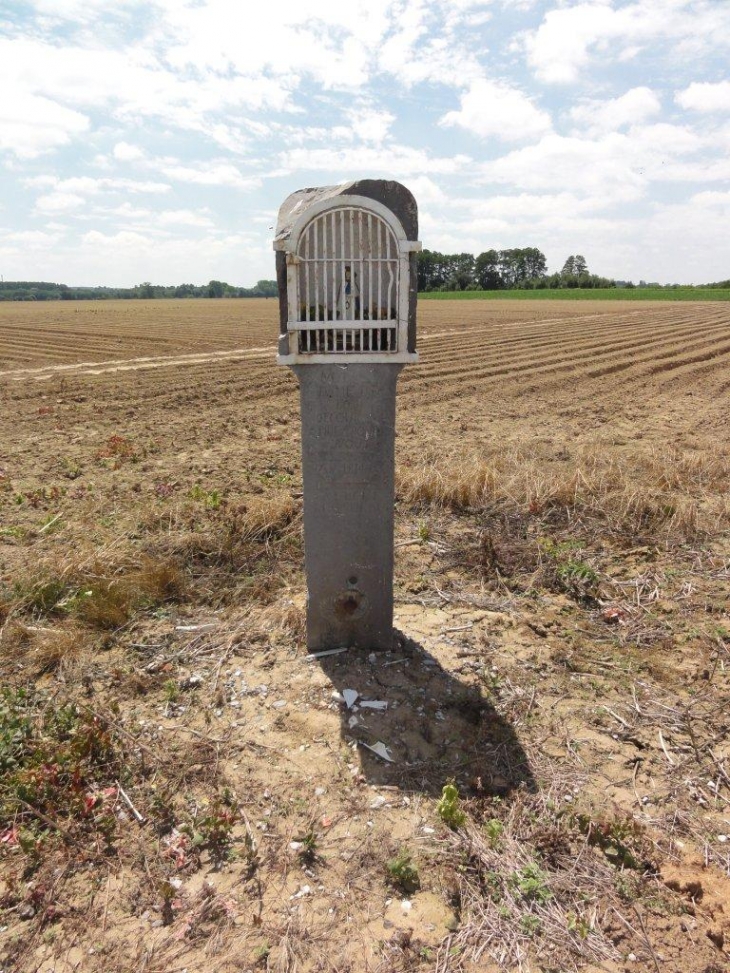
(348,466)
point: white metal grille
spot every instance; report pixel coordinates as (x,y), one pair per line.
(348,276)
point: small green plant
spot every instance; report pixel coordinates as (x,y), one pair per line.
(571,573)
(531,925)
(261,953)
(448,807)
(494,830)
(403,874)
(613,837)
(492,884)
(579,925)
(71,469)
(307,851)
(211,499)
(171,691)
(214,830)
(57,763)
(424,532)
(530,883)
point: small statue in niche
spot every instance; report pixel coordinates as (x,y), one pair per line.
(349,297)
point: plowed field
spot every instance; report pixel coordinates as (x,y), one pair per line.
(563,603)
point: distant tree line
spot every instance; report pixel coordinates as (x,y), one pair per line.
(38,290)
(523,268)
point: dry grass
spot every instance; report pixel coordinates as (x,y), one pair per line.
(670,494)
(538,882)
(101,593)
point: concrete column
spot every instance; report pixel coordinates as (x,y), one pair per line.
(348,466)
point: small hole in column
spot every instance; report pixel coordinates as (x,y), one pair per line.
(352,580)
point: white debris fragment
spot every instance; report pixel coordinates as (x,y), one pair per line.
(321,655)
(406,905)
(279,704)
(320,791)
(379,750)
(722,837)
(377,803)
(373,703)
(206,627)
(353,721)
(350,695)
(304,890)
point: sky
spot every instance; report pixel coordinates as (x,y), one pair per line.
(155,140)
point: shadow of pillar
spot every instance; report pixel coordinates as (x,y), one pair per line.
(436,727)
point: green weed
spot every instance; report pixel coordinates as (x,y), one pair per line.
(211,499)
(530,883)
(448,807)
(403,874)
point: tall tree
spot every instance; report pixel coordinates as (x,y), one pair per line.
(486,270)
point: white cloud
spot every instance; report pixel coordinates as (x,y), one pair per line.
(571,37)
(495,109)
(90,186)
(66,195)
(29,239)
(151,219)
(125,152)
(59,202)
(426,190)
(560,47)
(31,124)
(581,165)
(214,174)
(390,161)
(635,106)
(373,125)
(712,199)
(705,97)
(130,86)
(416,52)
(325,40)
(125,240)
(621,166)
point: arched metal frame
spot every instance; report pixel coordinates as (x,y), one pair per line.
(348,276)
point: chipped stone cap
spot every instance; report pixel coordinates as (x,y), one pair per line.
(394,195)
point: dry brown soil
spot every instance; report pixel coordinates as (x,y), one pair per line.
(563,648)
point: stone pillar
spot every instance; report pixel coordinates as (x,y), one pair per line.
(348,466)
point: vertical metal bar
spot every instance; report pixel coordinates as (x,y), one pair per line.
(376,267)
(390,268)
(351,213)
(370,268)
(316,269)
(381,227)
(307,270)
(333,222)
(391,282)
(323,222)
(360,257)
(343,301)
